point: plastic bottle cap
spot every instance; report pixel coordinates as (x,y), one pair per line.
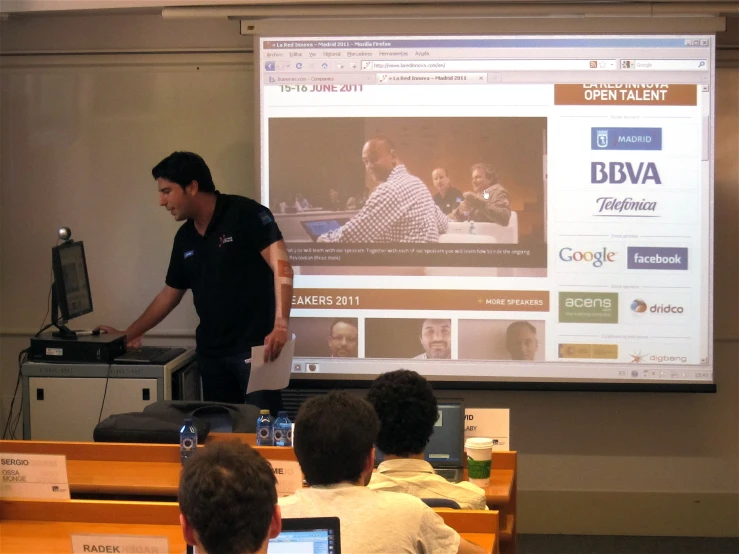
(264,411)
(188,421)
(282,413)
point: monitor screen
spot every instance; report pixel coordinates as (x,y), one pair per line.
(447,441)
(521,210)
(71,283)
(307,536)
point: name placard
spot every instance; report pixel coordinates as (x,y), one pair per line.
(289,476)
(490,423)
(119,544)
(33,476)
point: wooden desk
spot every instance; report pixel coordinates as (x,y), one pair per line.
(36,526)
(124,469)
(473,525)
(152,470)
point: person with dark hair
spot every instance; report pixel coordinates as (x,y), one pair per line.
(400,207)
(436,338)
(487,202)
(521,341)
(448,197)
(228,500)
(343,337)
(406,406)
(335,435)
(230,253)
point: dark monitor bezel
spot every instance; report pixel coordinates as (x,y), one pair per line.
(315,523)
(59,288)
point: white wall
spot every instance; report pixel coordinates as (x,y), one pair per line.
(78,137)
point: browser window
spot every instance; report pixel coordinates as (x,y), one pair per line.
(523,208)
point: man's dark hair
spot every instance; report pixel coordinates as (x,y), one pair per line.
(515,326)
(348,320)
(228,495)
(183,168)
(407,409)
(334,435)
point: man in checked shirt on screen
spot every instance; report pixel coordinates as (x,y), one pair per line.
(399,209)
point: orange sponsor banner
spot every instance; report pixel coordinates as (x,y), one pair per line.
(465,300)
(589,351)
(625,95)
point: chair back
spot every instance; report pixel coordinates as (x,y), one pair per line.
(441,503)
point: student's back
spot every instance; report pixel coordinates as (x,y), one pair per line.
(335,436)
(375,522)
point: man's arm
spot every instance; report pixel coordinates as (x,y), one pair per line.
(160,307)
(276,256)
(442,221)
(377,215)
(498,206)
(466,547)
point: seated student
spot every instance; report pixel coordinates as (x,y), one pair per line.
(336,433)
(406,407)
(228,500)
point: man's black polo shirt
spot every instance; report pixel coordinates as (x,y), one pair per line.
(232,285)
(449,201)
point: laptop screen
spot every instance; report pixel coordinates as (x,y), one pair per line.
(447,441)
(317,227)
(318,535)
(446,446)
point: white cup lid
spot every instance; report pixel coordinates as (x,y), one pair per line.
(478,442)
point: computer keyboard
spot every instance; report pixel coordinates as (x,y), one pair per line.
(149,355)
(450,474)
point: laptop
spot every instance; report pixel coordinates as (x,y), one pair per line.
(445,450)
(317,535)
(317,227)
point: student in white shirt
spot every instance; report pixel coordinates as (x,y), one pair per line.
(336,433)
(406,406)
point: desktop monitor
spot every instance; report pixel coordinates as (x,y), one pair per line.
(71,283)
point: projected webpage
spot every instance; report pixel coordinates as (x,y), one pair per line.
(487,208)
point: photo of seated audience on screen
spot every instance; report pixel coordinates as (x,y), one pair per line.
(410,192)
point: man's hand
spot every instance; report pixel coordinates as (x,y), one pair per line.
(134,342)
(274,342)
(473,200)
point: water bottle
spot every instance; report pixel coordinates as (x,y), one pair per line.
(188,440)
(283,430)
(265,434)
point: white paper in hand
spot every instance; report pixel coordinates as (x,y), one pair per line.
(271,375)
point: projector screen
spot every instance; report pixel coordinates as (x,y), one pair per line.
(502,211)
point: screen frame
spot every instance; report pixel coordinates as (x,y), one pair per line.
(59,284)
(363,381)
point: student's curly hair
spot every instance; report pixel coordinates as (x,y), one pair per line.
(406,406)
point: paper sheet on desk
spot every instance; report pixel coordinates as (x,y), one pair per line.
(271,375)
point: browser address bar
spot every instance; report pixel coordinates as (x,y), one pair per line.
(486,65)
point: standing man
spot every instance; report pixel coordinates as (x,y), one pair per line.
(399,209)
(436,339)
(230,253)
(488,201)
(448,197)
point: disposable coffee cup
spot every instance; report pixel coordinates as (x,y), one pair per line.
(479,451)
